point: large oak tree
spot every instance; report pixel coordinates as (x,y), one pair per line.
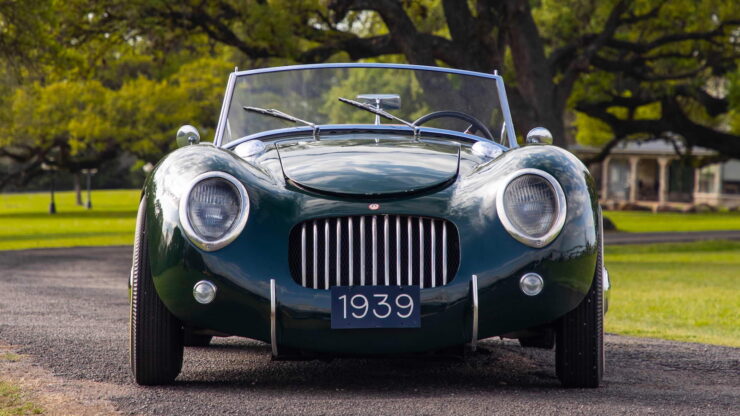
(635,68)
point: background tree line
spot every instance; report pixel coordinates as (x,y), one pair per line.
(83,82)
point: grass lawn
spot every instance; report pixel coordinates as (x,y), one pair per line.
(684,292)
(13,403)
(642,221)
(687,292)
(25,221)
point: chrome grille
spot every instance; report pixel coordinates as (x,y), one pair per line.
(374,250)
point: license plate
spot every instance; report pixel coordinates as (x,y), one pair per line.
(375,307)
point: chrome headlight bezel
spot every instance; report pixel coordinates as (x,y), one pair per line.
(236,227)
(518,234)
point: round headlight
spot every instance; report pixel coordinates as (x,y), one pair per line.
(213,210)
(531,206)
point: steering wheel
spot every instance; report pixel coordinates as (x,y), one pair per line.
(475,124)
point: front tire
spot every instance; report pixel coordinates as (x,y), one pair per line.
(579,349)
(156,336)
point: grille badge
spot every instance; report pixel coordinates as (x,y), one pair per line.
(374,206)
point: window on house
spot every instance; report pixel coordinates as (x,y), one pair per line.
(706,180)
(731,177)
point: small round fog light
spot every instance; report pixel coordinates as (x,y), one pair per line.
(204,292)
(531,284)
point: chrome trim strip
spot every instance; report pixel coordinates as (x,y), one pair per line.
(236,228)
(474,290)
(339,251)
(327,246)
(350,225)
(434,253)
(375,249)
(557,226)
(508,124)
(273,318)
(315,256)
(398,250)
(421,252)
(367,65)
(303,255)
(427,133)
(386,249)
(225,105)
(362,251)
(410,250)
(444,252)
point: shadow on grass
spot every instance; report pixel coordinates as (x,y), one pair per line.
(685,247)
(62,236)
(75,214)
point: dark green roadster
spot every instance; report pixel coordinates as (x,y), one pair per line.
(368,210)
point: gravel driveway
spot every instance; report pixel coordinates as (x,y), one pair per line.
(68,309)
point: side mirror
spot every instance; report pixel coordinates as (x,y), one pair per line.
(187,135)
(539,135)
(382,101)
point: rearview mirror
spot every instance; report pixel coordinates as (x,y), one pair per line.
(187,135)
(539,135)
(382,101)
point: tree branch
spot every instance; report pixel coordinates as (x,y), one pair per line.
(565,86)
(641,48)
(356,47)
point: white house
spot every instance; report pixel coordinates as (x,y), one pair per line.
(651,174)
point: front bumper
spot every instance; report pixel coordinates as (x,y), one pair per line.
(302,316)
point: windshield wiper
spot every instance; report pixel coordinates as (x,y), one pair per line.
(380,112)
(279,114)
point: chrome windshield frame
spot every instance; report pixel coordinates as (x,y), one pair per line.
(509,125)
(424,132)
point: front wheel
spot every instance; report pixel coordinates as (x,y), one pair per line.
(156,347)
(579,345)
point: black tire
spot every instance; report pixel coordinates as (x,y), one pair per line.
(156,336)
(579,349)
(544,340)
(194,340)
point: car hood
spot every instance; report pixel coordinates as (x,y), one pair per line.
(367,167)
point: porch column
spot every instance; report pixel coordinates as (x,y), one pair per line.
(663,181)
(605,178)
(717,179)
(633,177)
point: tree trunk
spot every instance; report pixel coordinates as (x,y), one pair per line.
(78,188)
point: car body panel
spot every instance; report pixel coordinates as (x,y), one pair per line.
(383,164)
(242,270)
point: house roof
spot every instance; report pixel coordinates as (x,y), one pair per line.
(658,147)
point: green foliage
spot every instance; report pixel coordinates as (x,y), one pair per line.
(733,96)
(692,63)
(151,66)
(398,82)
(591,131)
(63,115)
(594,132)
(84,118)
(563,21)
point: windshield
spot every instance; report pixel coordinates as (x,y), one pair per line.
(312,94)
